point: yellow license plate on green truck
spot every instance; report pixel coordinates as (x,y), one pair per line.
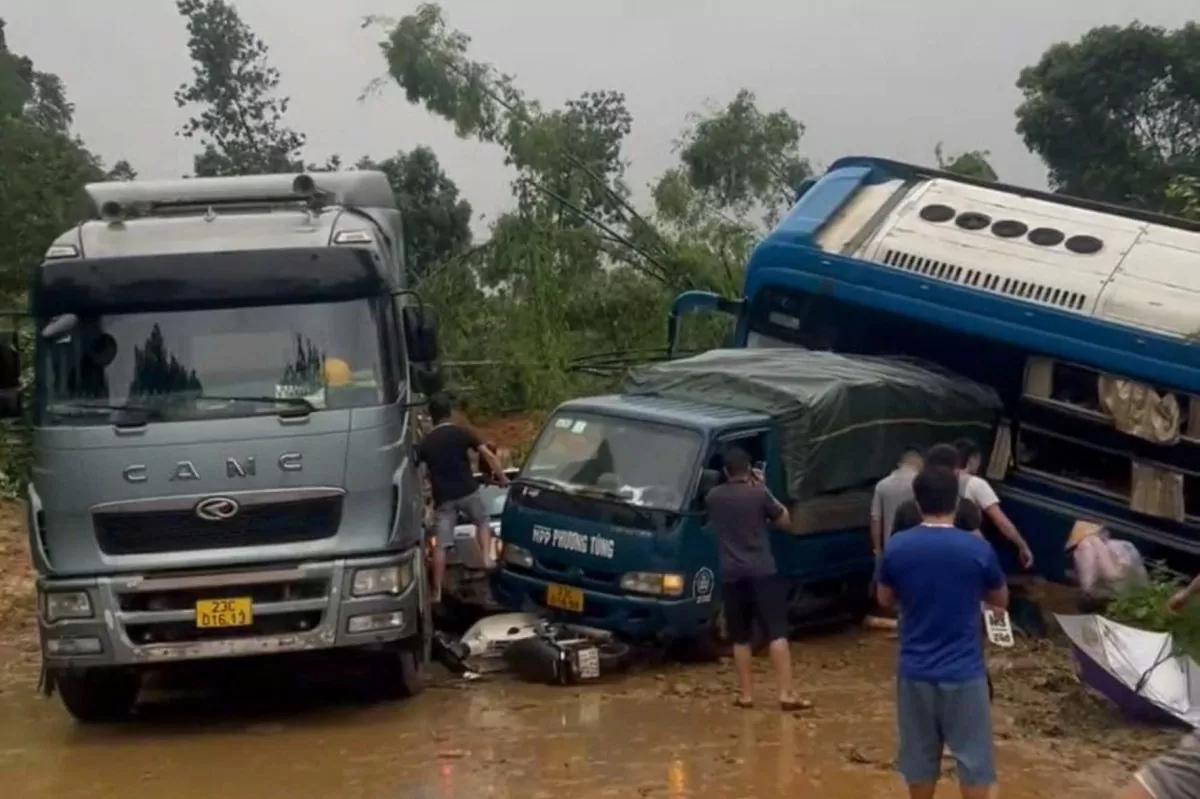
(564,597)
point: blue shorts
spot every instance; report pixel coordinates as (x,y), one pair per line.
(953,715)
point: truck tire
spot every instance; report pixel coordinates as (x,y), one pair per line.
(707,648)
(400,672)
(99,696)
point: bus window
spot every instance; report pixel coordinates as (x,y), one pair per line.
(1067,460)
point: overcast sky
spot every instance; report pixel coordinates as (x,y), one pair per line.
(870,77)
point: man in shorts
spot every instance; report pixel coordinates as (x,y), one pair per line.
(938,575)
(740,510)
(445,453)
(1175,774)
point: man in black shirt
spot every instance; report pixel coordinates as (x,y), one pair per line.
(740,511)
(445,453)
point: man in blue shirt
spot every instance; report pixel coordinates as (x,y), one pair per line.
(939,575)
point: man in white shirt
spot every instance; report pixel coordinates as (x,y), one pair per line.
(976,489)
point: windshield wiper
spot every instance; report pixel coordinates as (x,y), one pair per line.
(544,482)
(302,405)
(588,492)
(82,407)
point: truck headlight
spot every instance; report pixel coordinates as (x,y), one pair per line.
(67,605)
(517,556)
(382,580)
(653,583)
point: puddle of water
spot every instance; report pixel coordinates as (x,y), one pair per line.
(672,734)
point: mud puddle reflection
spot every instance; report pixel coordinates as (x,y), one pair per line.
(669,732)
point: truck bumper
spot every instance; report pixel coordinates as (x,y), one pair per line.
(636,618)
(148,619)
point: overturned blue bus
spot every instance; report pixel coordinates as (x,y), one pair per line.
(1084,317)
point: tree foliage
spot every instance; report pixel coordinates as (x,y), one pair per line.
(970,164)
(1116,115)
(43,167)
(437,221)
(743,160)
(574,269)
(1183,197)
(240,123)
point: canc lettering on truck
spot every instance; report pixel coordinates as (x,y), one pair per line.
(223,432)
(1084,317)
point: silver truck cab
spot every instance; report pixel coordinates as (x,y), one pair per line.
(223,427)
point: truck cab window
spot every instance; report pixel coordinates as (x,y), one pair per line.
(214,363)
(638,461)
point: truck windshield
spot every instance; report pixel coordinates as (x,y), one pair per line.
(213,363)
(639,462)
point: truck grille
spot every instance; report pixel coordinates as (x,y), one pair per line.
(183,531)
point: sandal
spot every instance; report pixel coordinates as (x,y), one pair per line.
(744,704)
(792,705)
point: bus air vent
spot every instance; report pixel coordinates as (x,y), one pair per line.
(985,281)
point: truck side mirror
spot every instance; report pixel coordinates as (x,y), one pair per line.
(420,333)
(10,379)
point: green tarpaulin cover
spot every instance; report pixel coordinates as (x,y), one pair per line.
(845,419)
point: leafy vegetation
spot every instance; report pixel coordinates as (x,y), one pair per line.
(973,164)
(1145,607)
(557,294)
(1116,115)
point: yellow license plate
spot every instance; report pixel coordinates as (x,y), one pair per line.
(214,613)
(564,597)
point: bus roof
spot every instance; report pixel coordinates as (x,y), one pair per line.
(1056,274)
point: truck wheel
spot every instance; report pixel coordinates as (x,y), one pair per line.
(99,696)
(706,648)
(400,673)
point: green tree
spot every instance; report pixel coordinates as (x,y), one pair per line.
(574,269)
(1116,115)
(240,124)
(437,221)
(970,164)
(38,97)
(121,170)
(743,160)
(739,171)
(42,167)
(1183,197)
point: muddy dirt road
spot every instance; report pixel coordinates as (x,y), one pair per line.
(666,731)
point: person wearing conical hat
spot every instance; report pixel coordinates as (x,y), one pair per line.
(1103,565)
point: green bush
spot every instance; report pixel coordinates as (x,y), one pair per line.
(1145,607)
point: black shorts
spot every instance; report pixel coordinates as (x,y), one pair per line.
(756,599)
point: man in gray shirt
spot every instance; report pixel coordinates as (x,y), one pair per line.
(890,493)
(739,511)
